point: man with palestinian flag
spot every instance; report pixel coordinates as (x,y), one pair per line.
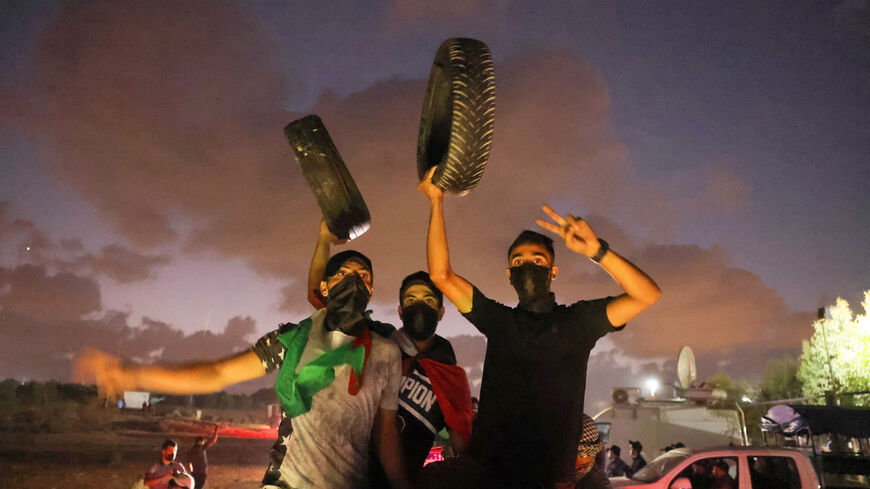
(337,381)
(434,393)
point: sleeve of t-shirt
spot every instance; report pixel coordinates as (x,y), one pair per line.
(484,312)
(593,316)
(390,394)
(270,350)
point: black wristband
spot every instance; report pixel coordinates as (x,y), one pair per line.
(601,251)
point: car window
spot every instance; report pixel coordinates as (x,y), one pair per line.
(773,473)
(660,466)
(703,473)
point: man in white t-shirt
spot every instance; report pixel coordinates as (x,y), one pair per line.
(337,382)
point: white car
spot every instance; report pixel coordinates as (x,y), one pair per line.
(747,468)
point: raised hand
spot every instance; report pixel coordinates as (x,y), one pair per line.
(96,366)
(327,236)
(428,188)
(577,234)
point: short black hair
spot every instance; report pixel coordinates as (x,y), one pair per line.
(528,236)
(420,278)
(616,450)
(168,443)
(338,259)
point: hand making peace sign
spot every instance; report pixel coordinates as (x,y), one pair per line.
(575,231)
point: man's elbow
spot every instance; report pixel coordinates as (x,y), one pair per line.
(440,277)
(653,296)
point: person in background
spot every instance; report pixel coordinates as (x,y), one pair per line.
(616,466)
(196,459)
(167,472)
(721,478)
(589,466)
(700,476)
(637,460)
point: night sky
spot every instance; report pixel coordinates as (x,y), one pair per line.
(151,207)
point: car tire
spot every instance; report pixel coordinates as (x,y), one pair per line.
(340,201)
(456,126)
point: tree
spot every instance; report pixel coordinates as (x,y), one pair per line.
(837,357)
(734,389)
(780,380)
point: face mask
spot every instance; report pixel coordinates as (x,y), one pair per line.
(420,321)
(582,470)
(170,457)
(346,304)
(532,282)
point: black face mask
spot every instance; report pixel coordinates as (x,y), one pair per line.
(532,282)
(346,304)
(420,321)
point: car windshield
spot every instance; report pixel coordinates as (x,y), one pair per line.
(660,466)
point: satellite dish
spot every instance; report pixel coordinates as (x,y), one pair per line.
(686,371)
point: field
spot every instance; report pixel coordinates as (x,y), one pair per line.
(118,458)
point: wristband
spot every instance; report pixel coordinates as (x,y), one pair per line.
(601,251)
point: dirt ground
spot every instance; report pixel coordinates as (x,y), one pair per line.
(117,459)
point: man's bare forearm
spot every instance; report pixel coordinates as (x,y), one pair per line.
(632,279)
(389,449)
(640,290)
(316,268)
(457,289)
(200,378)
(437,252)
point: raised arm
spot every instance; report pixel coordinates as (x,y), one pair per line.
(318,263)
(457,289)
(214,436)
(195,378)
(640,290)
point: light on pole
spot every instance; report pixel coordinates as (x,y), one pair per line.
(653,385)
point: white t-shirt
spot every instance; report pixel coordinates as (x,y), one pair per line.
(329,445)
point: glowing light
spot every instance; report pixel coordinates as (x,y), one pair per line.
(26,248)
(746,399)
(653,385)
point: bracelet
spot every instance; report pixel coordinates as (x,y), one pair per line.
(601,251)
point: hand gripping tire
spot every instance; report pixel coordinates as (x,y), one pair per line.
(339,199)
(458,114)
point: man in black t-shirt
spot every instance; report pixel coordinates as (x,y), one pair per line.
(534,374)
(434,393)
(197,459)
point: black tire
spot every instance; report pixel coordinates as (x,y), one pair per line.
(458,115)
(339,199)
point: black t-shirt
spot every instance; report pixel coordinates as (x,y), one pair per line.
(419,416)
(534,377)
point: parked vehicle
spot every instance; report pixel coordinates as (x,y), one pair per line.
(836,439)
(657,424)
(749,467)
